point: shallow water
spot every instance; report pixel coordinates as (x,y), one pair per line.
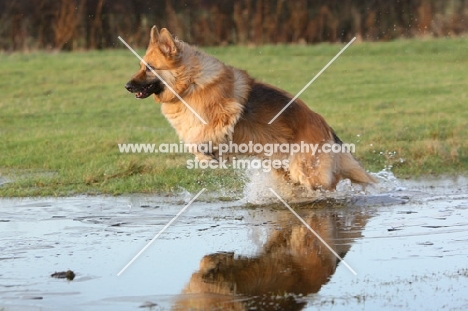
(407,241)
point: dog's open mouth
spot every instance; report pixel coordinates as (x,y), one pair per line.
(143,91)
(147,90)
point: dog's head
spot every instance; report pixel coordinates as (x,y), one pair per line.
(162,55)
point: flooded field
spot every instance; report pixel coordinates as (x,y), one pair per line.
(407,242)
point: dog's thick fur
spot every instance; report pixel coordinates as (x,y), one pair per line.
(238,108)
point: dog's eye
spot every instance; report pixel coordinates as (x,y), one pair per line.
(149,67)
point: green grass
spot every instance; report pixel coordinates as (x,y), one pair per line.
(403,103)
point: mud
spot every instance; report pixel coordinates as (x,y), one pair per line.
(407,243)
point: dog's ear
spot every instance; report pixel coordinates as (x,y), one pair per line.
(167,44)
(154,35)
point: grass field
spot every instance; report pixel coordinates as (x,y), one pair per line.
(403,103)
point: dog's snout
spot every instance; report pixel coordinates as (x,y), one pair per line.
(129,86)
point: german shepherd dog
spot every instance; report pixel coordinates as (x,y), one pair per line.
(237,109)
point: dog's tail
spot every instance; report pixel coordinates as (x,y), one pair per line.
(350,168)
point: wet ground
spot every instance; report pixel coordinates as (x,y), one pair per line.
(407,244)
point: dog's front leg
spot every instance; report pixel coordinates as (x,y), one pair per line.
(205,152)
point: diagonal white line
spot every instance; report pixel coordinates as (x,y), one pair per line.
(315,233)
(164,82)
(159,233)
(313,79)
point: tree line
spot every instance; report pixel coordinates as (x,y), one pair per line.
(96,24)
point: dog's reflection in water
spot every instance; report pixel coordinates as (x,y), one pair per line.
(293,263)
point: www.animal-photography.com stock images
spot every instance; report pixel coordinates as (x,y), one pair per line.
(233,155)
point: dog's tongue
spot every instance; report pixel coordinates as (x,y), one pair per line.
(139,94)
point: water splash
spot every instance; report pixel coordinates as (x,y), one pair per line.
(258,184)
(387,182)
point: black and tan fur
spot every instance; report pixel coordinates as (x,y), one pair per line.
(238,108)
